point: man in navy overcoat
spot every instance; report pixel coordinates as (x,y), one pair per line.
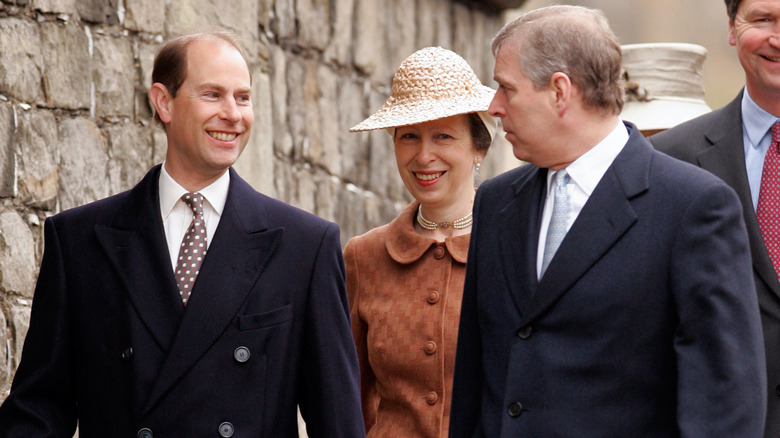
(120,345)
(609,291)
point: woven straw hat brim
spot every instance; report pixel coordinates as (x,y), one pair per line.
(394,113)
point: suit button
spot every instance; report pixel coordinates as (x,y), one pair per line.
(432,398)
(433,297)
(144,433)
(515,409)
(438,253)
(226,430)
(430,347)
(525,332)
(127,353)
(241,355)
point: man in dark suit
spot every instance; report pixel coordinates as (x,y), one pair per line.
(605,285)
(732,143)
(120,344)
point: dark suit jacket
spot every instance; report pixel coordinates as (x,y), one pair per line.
(640,326)
(110,343)
(714,142)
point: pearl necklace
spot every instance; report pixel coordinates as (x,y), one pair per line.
(458,224)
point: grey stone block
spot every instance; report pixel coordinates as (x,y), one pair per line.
(7,156)
(83,165)
(113,71)
(369,39)
(283,142)
(99,11)
(284,23)
(330,129)
(339,50)
(354,146)
(5,369)
(20,324)
(65,46)
(144,16)
(130,155)
(239,16)
(37,158)
(55,6)
(313,17)
(296,104)
(256,163)
(17,255)
(21,61)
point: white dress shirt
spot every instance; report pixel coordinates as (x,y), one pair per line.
(177,216)
(585,172)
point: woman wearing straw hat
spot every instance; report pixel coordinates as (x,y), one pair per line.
(405,279)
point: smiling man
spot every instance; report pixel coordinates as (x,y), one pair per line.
(190,305)
(737,144)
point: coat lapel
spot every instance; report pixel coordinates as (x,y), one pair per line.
(726,159)
(241,248)
(604,219)
(521,220)
(135,246)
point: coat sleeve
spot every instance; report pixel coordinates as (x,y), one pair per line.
(330,395)
(42,401)
(368,393)
(718,341)
(466,407)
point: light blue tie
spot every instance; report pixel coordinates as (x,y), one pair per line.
(560,214)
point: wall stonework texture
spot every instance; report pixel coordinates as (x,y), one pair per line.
(75,121)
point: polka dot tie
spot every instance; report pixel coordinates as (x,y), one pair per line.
(193,247)
(559,220)
(768,211)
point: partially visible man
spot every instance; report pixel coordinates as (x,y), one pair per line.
(253,323)
(736,144)
(605,291)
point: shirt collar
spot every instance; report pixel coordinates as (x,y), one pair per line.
(170,192)
(587,170)
(755,119)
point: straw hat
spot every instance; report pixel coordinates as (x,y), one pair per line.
(664,86)
(432,83)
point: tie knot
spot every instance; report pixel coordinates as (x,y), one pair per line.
(195,202)
(562,179)
(776,132)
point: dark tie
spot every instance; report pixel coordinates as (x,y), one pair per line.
(768,211)
(558,222)
(193,247)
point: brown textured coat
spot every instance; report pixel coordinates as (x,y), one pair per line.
(405,294)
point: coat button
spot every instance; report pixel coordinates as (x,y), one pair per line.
(525,332)
(127,353)
(438,253)
(144,433)
(515,409)
(433,297)
(241,355)
(226,430)
(430,347)
(432,398)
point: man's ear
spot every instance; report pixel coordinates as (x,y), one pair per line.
(161,100)
(732,34)
(560,87)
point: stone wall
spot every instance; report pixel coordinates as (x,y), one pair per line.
(75,122)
